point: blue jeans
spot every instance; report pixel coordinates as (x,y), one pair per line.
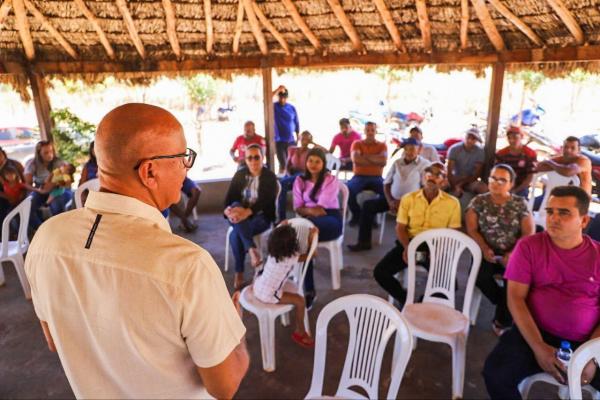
(287,183)
(360,183)
(57,206)
(330,228)
(241,237)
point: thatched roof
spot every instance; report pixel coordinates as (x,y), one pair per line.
(176,35)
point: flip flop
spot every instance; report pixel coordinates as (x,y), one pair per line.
(303,340)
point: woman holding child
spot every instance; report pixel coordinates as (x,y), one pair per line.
(316,198)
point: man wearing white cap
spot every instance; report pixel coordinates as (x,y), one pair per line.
(465,165)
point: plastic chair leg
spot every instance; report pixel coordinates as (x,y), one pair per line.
(458,366)
(19,264)
(266,328)
(2,279)
(405,279)
(335,258)
(285,319)
(226,266)
(382,228)
(475,304)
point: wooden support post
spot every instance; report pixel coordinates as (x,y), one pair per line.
(493,115)
(42,104)
(267,78)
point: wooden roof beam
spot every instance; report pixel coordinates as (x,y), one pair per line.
(171,20)
(4,9)
(388,21)
(522,26)
(23,27)
(424,25)
(137,42)
(239,23)
(347,26)
(297,18)
(488,24)
(51,29)
(267,24)
(94,21)
(210,38)
(568,19)
(464,24)
(255,26)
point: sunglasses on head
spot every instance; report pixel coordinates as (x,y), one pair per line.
(253,158)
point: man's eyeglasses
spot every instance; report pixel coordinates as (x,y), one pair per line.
(253,158)
(189,157)
(499,181)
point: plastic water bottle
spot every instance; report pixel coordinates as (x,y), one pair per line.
(564,353)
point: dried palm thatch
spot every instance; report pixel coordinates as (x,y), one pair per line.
(140,38)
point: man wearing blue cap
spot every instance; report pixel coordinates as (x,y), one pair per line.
(405,176)
(287,126)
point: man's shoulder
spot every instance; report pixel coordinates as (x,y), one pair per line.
(448,198)
(456,148)
(529,152)
(504,152)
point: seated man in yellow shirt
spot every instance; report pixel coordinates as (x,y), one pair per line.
(425,209)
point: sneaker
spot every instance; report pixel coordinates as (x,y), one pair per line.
(359,247)
(310,299)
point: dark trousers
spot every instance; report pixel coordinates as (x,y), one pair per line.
(57,206)
(330,228)
(360,183)
(490,288)
(347,166)
(241,238)
(281,149)
(369,211)
(390,265)
(512,360)
(287,183)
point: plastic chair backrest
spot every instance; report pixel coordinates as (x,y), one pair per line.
(345,194)
(580,358)
(551,180)
(333,163)
(22,210)
(372,322)
(445,249)
(91,185)
(303,229)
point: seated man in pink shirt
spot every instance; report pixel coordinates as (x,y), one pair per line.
(344,140)
(553,295)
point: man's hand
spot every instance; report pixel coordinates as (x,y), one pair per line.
(280,88)
(505,258)
(546,359)
(405,256)
(236,302)
(588,372)
(489,255)
(393,205)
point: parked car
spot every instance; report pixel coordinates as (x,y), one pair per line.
(19,142)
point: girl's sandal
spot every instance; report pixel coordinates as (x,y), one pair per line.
(303,340)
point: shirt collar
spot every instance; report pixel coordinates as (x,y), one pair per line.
(119,204)
(439,196)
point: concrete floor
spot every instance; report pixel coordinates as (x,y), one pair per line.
(29,370)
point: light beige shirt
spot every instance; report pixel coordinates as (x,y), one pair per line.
(132,308)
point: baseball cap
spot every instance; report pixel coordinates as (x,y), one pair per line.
(283,93)
(410,140)
(437,165)
(475,133)
(514,129)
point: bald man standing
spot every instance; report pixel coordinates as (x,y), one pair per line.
(133,310)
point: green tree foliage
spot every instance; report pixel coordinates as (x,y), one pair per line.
(72,136)
(532,80)
(201,88)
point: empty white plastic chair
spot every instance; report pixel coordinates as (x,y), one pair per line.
(551,180)
(91,185)
(333,163)
(372,323)
(334,247)
(586,352)
(258,239)
(436,318)
(268,313)
(13,251)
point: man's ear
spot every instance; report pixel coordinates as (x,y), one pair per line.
(585,221)
(147,174)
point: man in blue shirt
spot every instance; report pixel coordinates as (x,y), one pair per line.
(286,125)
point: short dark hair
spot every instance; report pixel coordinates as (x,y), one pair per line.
(581,196)
(283,242)
(9,168)
(508,169)
(255,146)
(415,129)
(370,123)
(344,121)
(573,139)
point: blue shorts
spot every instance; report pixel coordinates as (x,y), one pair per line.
(188,186)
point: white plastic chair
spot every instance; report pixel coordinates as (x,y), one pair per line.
(563,390)
(382,218)
(475,304)
(551,180)
(436,319)
(372,323)
(333,163)
(336,257)
(258,239)
(13,251)
(268,313)
(580,358)
(91,185)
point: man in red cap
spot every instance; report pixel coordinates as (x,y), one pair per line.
(521,158)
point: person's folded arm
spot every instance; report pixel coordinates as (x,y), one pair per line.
(523,185)
(359,159)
